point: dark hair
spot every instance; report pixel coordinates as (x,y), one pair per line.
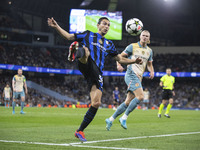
(100,19)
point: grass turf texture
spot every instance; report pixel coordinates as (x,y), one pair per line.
(57,125)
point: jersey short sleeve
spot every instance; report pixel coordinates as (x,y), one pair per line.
(151,56)
(129,50)
(24,80)
(14,78)
(80,36)
(173,80)
(162,79)
(111,50)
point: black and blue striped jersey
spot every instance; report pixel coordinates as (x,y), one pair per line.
(98,46)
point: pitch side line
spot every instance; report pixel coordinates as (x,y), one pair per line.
(140,137)
(109,140)
(102,147)
(70,144)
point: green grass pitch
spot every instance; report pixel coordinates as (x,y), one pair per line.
(57,125)
(115,31)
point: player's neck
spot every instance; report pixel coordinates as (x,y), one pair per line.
(143,44)
(101,34)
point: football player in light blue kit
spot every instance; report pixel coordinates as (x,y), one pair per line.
(133,77)
(18,84)
(7,94)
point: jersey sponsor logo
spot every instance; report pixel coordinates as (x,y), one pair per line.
(92,36)
(97,44)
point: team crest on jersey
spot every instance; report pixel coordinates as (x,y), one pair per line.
(143,52)
(136,84)
(100,41)
(107,42)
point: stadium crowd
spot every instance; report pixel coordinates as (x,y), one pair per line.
(187,92)
(57,58)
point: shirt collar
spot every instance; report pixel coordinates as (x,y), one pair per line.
(141,45)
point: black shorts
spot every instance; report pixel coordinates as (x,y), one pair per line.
(166,94)
(116,100)
(91,73)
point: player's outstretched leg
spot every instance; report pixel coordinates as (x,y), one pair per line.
(118,112)
(13,106)
(130,108)
(72,51)
(90,114)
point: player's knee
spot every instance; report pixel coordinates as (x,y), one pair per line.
(96,104)
(140,97)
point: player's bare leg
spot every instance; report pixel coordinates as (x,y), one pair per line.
(95,95)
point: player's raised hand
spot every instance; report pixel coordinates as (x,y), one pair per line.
(120,68)
(138,61)
(151,75)
(52,23)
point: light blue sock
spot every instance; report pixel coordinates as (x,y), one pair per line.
(8,104)
(132,106)
(22,106)
(13,105)
(119,110)
(5,104)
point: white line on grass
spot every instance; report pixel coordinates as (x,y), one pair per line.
(102,147)
(140,137)
(70,144)
(108,140)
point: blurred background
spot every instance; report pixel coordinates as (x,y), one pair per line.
(27,42)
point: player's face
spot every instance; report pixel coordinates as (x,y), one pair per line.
(145,37)
(7,85)
(116,88)
(20,72)
(168,71)
(103,27)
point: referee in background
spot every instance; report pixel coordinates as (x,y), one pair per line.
(167,83)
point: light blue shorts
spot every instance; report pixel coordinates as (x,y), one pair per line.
(132,81)
(6,99)
(145,101)
(17,95)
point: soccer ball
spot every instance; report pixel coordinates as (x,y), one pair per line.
(134,26)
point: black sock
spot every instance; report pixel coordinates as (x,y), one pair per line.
(88,118)
(80,52)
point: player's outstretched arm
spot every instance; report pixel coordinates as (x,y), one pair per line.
(126,61)
(52,23)
(25,86)
(150,69)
